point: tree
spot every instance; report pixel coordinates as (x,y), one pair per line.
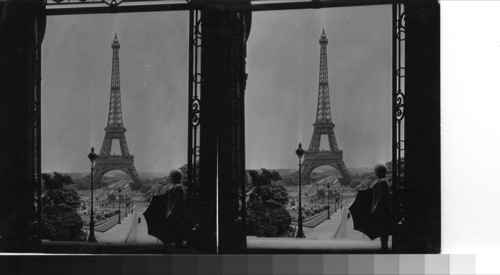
(281,219)
(135,185)
(274,194)
(146,187)
(266,212)
(320,193)
(255,221)
(72,224)
(56,181)
(263,221)
(265,177)
(60,219)
(262,179)
(111,197)
(62,198)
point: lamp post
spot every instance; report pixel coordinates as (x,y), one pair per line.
(119,200)
(328,186)
(126,205)
(300,152)
(336,199)
(92,156)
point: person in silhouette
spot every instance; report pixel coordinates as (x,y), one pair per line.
(381,210)
(176,208)
(139,220)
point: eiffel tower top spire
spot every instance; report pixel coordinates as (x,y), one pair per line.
(115,118)
(323,37)
(323,113)
(116,43)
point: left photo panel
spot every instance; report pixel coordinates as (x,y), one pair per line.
(114,135)
(104,98)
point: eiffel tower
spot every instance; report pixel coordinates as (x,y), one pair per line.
(324,126)
(106,162)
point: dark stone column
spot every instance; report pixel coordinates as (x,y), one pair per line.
(224,35)
(208,133)
(21,25)
(422,195)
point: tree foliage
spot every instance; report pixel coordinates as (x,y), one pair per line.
(274,194)
(281,219)
(56,181)
(60,219)
(264,190)
(111,197)
(62,198)
(146,187)
(263,178)
(135,185)
(264,220)
(291,179)
(266,212)
(321,193)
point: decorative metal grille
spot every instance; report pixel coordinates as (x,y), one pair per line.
(194,101)
(65,2)
(65,7)
(105,3)
(398,85)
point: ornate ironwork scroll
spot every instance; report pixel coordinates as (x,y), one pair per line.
(193,154)
(111,3)
(398,99)
(65,7)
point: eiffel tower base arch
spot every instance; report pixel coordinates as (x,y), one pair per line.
(102,168)
(317,159)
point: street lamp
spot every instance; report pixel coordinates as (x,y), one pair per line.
(126,205)
(119,200)
(92,156)
(328,185)
(129,204)
(336,199)
(300,152)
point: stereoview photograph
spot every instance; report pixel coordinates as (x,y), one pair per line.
(201,127)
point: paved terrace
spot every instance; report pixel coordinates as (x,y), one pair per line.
(331,236)
(129,231)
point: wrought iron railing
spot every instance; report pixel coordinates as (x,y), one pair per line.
(398,100)
(194,84)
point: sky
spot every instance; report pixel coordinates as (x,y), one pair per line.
(281,95)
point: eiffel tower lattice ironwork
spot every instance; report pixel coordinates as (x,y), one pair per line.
(106,162)
(324,126)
